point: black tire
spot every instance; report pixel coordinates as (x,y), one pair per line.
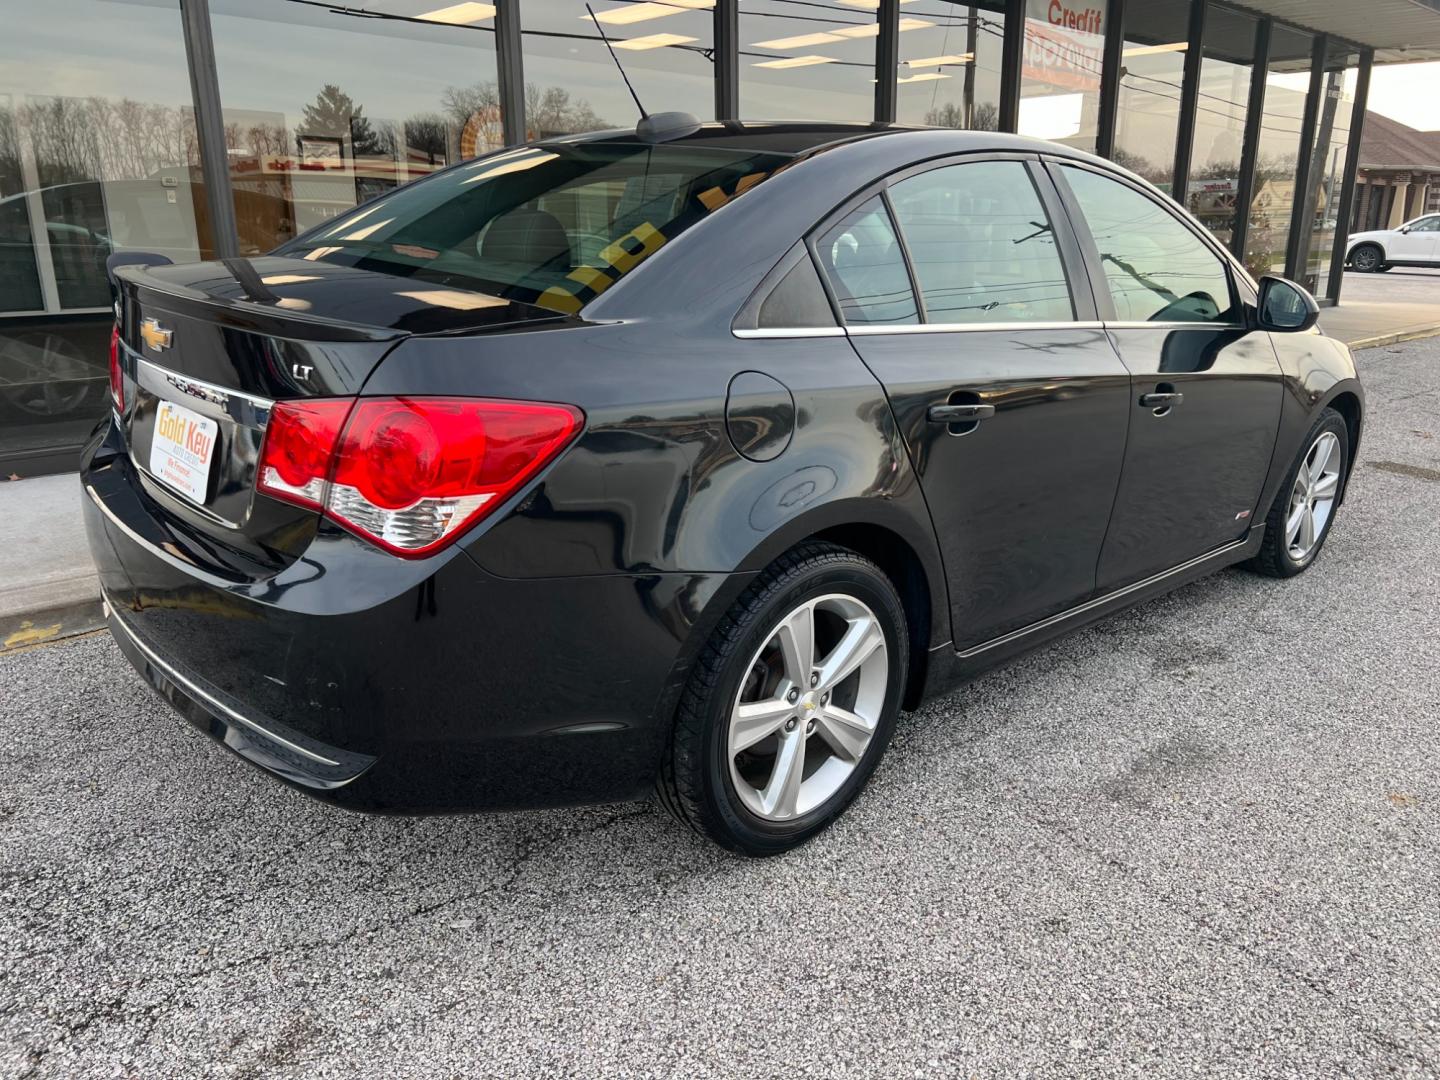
(1367,258)
(1385,268)
(695,782)
(1274,558)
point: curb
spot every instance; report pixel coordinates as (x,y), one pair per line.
(1410,334)
(22,631)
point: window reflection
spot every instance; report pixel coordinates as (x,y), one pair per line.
(1152,61)
(1060,79)
(808,59)
(982,247)
(1327,165)
(97,155)
(1221,108)
(950,70)
(1157,270)
(572,84)
(1286,84)
(325,109)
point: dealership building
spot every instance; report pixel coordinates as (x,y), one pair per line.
(216,128)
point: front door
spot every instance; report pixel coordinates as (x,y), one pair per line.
(1014,412)
(1206,391)
(1417,243)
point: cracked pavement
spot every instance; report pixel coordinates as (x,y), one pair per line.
(1199,839)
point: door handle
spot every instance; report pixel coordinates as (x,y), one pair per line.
(1160,400)
(959,414)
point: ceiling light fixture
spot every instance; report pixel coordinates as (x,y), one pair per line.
(654,41)
(940,61)
(800,41)
(460,14)
(796,61)
(634,13)
(1147,50)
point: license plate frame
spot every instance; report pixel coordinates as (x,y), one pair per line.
(182,450)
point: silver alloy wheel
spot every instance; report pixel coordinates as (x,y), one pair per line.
(808,707)
(1312,499)
(1366,259)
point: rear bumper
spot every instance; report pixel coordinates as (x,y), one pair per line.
(393,685)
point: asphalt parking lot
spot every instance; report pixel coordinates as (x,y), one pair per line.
(1202,838)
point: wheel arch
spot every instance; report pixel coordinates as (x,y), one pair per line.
(1347,402)
(1376,244)
(897,536)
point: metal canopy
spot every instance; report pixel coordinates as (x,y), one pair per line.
(1400,31)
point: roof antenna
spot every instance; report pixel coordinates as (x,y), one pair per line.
(606,38)
(652,129)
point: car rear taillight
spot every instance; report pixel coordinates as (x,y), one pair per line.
(117,378)
(409,474)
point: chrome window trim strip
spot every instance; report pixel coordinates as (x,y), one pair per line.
(791,332)
(1142,325)
(204,698)
(971,328)
(868,329)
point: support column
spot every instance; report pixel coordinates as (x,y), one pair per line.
(510,71)
(727,59)
(1397,207)
(210,127)
(1422,200)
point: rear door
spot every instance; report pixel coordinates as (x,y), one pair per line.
(1205,401)
(956,287)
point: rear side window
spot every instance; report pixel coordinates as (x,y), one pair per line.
(982,247)
(553,225)
(1156,269)
(866,266)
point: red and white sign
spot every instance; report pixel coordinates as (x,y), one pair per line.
(1064,43)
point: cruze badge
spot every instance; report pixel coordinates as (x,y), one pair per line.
(156,336)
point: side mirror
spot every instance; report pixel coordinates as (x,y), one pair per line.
(1285,307)
(1403,229)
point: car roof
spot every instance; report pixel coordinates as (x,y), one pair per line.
(800,138)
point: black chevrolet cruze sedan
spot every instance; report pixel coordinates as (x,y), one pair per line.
(684,459)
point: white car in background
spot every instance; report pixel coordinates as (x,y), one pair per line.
(1416,243)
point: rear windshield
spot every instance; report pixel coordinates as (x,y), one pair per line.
(549,225)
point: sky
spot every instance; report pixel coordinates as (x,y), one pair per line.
(1409,93)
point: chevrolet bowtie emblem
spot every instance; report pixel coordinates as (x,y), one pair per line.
(155,335)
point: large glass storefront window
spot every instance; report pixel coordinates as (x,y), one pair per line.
(572,84)
(1060,80)
(1147,114)
(1221,109)
(1327,165)
(950,70)
(1287,84)
(326,107)
(97,154)
(809,59)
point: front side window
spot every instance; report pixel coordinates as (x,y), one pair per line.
(1156,269)
(982,247)
(861,256)
(1427,224)
(551,225)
